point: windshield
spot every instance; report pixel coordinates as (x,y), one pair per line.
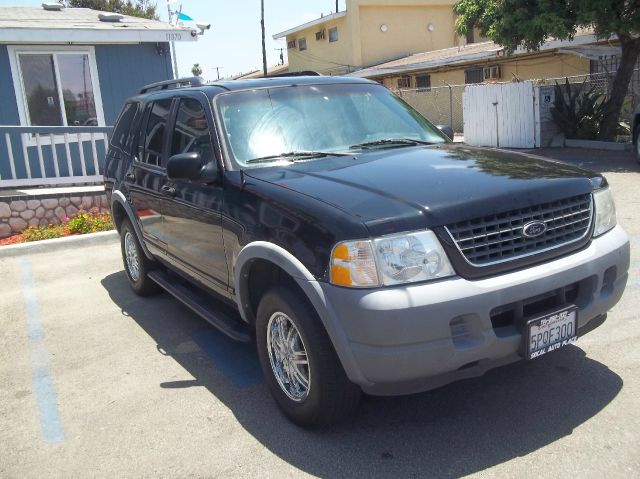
(261,126)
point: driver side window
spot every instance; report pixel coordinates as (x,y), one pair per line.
(191,133)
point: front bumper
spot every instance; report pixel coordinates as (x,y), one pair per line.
(418,337)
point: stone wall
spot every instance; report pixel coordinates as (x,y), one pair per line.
(18,213)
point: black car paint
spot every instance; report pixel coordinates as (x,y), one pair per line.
(307,207)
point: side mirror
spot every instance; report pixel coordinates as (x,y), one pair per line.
(190,166)
(446,129)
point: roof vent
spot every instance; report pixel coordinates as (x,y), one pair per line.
(110,17)
(53,7)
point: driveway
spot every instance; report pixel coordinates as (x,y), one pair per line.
(96,382)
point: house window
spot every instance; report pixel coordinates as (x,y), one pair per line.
(333,34)
(423,82)
(404,82)
(473,75)
(320,35)
(58,88)
(291,43)
(302,44)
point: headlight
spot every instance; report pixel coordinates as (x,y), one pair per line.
(605,218)
(396,259)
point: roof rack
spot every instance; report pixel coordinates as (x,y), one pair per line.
(306,73)
(171,84)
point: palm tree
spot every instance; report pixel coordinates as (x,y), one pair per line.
(196,70)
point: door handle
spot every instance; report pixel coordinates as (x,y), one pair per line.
(168,190)
(130,177)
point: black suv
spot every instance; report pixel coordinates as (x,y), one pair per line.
(327,220)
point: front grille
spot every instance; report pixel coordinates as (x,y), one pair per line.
(498,238)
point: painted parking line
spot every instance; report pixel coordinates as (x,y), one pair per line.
(50,424)
(238,361)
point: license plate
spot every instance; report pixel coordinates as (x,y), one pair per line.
(551,332)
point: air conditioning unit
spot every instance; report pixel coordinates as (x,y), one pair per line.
(320,35)
(493,72)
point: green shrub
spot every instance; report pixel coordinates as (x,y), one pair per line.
(37,233)
(578,112)
(90,222)
(83,222)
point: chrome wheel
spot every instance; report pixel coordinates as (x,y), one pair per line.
(288,357)
(131,256)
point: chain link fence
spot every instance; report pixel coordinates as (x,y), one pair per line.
(442,105)
(602,82)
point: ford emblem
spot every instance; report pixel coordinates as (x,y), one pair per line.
(534,229)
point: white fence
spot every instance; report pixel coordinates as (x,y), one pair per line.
(500,115)
(36,156)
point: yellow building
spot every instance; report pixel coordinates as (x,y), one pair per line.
(370,32)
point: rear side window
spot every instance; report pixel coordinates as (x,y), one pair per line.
(123,132)
(154,132)
(191,132)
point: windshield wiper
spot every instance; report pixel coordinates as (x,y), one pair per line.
(292,156)
(391,142)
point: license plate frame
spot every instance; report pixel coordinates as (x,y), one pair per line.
(558,316)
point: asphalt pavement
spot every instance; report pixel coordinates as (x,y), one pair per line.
(96,382)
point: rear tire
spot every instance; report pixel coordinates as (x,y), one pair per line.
(136,265)
(301,367)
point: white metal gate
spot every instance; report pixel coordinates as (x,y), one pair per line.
(499,115)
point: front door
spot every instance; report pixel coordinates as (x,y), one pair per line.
(147,178)
(192,218)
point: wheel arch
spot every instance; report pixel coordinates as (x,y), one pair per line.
(269,253)
(121,210)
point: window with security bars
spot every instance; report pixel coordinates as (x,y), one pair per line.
(473,75)
(404,82)
(423,82)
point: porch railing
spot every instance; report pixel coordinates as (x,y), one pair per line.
(52,155)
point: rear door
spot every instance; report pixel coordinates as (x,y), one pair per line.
(146,178)
(192,218)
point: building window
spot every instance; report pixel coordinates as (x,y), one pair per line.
(56,88)
(473,75)
(291,43)
(302,44)
(423,82)
(333,34)
(320,35)
(404,82)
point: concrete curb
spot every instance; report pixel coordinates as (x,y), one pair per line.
(58,244)
(598,145)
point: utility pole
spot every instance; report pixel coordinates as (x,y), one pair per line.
(264,50)
(336,6)
(281,55)
(173,45)
(217,71)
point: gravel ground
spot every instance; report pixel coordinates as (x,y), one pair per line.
(96,382)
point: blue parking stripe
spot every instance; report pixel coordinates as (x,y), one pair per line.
(50,424)
(238,361)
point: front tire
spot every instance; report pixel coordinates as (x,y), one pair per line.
(301,367)
(136,265)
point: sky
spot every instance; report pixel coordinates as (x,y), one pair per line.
(233,43)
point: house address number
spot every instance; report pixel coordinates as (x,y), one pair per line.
(172,37)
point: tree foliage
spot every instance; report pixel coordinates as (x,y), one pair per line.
(529,23)
(137,8)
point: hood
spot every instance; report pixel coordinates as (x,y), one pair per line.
(402,189)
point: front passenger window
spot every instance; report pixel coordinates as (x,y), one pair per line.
(191,133)
(154,138)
